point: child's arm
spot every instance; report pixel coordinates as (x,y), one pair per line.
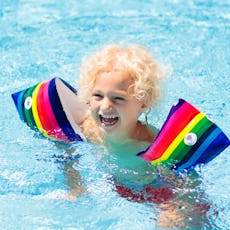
(72,176)
(182,214)
(74,181)
(189,208)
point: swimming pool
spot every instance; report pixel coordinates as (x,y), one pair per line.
(43,39)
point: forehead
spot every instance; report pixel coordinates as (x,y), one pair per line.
(113,79)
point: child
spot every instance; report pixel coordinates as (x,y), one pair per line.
(120,84)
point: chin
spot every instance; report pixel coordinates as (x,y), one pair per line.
(111,134)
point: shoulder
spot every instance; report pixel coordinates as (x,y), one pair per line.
(91,130)
(154,130)
(147,132)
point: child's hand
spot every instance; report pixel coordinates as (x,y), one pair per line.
(171,216)
(74,193)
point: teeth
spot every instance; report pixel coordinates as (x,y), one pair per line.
(109,116)
(108,121)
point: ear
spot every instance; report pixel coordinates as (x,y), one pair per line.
(144,107)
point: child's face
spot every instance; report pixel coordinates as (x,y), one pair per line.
(114,110)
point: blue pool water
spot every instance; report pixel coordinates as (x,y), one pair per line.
(43,39)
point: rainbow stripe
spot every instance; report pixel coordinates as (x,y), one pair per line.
(41,108)
(187,138)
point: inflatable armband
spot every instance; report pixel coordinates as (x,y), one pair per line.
(53,108)
(187,138)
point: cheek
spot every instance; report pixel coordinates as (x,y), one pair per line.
(94,113)
(93,104)
(130,115)
(134,109)
(92,107)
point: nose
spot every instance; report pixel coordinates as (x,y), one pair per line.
(106,104)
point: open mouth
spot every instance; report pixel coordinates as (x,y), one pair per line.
(108,120)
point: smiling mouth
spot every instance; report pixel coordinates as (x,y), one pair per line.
(108,120)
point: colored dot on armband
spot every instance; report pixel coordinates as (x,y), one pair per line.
(190,139)
(28,103)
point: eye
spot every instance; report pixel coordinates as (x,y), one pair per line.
(119,99)
(97,96)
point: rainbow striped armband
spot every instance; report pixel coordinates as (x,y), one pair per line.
(186,139)
(53,108)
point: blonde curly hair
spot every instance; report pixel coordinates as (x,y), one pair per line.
(136,60)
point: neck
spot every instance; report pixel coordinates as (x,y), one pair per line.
(129,136)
